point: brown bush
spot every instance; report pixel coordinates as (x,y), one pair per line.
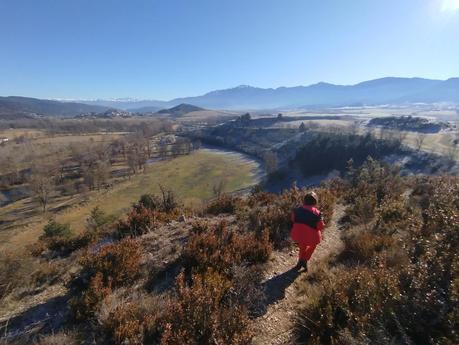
(220,248)
(117,263)
(359,300)
(12,271)
(139,221)
(85,305)
(199,227)
(361,211)
(46,273)
(63,246)
(396,217)
(260,198)
(203,313)
(134,319)
(404,291)
(58,339)
(225,203)
(142,220)
(364,247)
(19,272)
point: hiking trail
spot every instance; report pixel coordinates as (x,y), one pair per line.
(275,326)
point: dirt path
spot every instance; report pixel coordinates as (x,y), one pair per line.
(275,326)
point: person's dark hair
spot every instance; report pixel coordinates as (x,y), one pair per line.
(310,199)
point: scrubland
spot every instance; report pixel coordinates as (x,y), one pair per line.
(167,274)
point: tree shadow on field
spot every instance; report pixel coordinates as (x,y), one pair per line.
(274,288)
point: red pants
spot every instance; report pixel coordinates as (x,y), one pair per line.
(306,251)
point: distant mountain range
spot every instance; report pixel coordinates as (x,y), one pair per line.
(374,92)
(395,91)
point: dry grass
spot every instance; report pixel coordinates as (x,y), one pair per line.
(191,177)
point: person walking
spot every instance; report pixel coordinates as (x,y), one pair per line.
(307,229)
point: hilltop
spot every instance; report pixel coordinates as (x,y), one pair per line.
(180,110)
(21,106)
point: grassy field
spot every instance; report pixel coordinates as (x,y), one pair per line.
(438,143)
(13,133)
(190,177)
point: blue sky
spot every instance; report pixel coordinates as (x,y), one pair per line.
(160,49)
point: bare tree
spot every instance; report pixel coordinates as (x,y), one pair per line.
(399,136)
(419,140)
(42,183)
(270,159)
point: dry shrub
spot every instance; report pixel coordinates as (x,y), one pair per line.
(139,221)
(18,272)
(225,203)
(363,247)
(59,239)
(142,220)
(14,272)
(63,246)
(134,318)
(396,217)
(112,266)
(47,273)
(220,248)
(199,227)
(148,213)
(366,189)
(62,338)
(337,186)
(204,313)
(374,177)
(36,249)
(85,305)
(208,311)
(358,300)
(327,202)
(260,198)
(276,220)
(117,263)
(361,211)
(167,202)
(411,294)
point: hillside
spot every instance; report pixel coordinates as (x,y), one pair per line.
(25,106)
(180,110)
(161,273)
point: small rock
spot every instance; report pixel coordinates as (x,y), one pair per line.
(182,218)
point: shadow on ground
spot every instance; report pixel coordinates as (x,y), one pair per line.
(274,288)
(44,318)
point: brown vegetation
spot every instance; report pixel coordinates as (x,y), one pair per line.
(397,285)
